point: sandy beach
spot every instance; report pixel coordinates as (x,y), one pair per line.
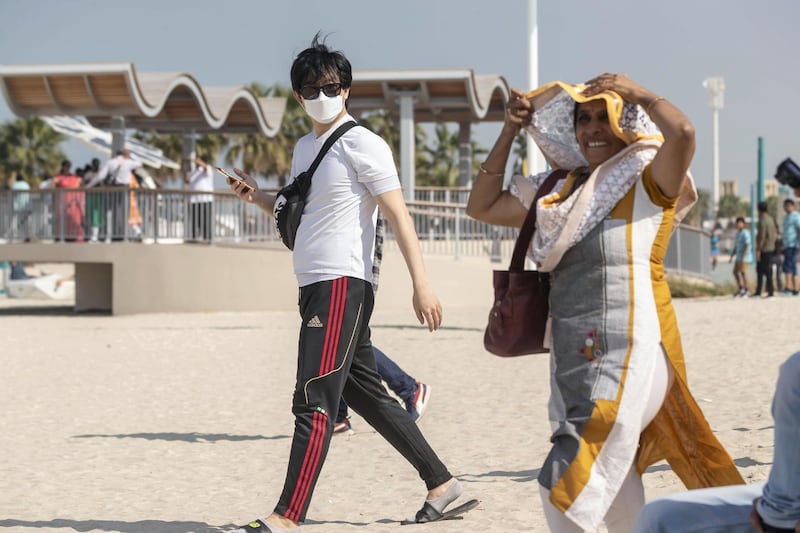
(181,422)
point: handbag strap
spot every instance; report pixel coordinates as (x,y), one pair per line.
(528,227)
(338,132)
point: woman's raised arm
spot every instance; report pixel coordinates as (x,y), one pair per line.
(488,201)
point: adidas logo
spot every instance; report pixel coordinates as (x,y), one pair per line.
(315,322)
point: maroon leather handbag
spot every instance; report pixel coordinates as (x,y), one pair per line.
(518,318)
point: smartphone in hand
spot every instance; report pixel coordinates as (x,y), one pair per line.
(235,179)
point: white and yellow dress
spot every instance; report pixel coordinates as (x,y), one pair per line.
(611,319)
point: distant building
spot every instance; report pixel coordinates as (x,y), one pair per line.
(728,187)
(771,188)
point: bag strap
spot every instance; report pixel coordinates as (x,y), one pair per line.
(338,132)
(528,227)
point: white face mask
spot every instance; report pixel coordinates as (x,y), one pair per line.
(324,109)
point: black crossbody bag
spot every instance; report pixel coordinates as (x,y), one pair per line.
(291,200)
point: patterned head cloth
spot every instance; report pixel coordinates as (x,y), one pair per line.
(553,130)
(553,126)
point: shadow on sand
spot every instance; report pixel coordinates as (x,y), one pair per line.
(183,437)
(142,526)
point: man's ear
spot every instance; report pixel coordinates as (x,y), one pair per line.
(298,97)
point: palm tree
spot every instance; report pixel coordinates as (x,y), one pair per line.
(384,125)
(441,165)
(171,145)
(520,150)
(260,155)
(731,206)
(30,147)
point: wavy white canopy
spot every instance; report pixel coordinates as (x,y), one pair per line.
(165,102)
(440,95)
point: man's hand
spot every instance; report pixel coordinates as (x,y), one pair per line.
(240,188)
(428,308)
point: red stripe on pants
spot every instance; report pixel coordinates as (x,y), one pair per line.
(334,327)
(310,462)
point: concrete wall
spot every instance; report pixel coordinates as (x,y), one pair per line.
(127,278)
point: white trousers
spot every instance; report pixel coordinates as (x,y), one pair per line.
(621,516)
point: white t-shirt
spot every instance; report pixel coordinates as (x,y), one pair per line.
(202,179)
(336,236)
(120,168)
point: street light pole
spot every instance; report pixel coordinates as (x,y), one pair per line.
(716,89)
(534,156)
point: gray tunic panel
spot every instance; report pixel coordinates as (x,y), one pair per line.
(590,309)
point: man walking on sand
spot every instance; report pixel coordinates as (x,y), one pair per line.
(333,261)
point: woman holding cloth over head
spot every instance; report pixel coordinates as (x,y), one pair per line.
(619,397)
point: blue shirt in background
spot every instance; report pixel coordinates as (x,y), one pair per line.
(791,224)
(742,242)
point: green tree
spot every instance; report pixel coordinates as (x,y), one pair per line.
(519,151)
(260,155)
(385,126)
(731,206)
(30,147)
(210,144)
(440,164)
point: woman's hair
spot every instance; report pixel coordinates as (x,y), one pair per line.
(575,115)
(316,61)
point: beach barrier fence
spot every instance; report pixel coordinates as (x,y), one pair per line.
(164,216)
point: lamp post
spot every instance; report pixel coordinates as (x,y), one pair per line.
(716,89)
(534,156)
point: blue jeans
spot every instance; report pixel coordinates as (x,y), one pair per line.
(727,509)
(398,381)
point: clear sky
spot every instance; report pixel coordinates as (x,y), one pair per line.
(669,47)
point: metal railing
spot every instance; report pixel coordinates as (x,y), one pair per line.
(118,213)
(175,216)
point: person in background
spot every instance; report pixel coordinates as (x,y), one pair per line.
(790,233)
(200,205)
(714,242)
(20,221)
(766,234)
(767,507)
(46,182)
(18,272)
(413,393)
(95,202)
(69,205)
(118,172)
(742,256)
(617,366)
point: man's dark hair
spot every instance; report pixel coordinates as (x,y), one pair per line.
(762,207)
(202,157)
(66,163)
(788,201)
(317,60)
(740,219)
